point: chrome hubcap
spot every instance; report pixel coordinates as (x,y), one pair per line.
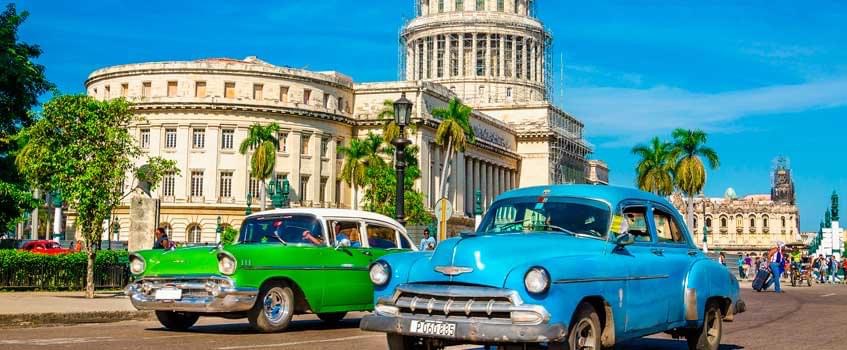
(276,306)
(713,325)
(585,335)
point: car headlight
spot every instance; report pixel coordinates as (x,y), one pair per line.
(380,273)
(226,263)
(136,264)
(537,280)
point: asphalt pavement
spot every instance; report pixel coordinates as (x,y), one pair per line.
(801,318)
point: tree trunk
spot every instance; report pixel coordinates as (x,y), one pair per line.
(355,204)
(89,275)
(444,181)
(264,191)
(689,214)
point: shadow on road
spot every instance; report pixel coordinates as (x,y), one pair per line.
(660,344)
(244,328)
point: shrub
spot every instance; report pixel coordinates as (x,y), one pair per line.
(26,270)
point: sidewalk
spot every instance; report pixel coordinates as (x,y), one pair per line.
(27,309)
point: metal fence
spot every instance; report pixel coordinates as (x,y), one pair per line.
(43,278)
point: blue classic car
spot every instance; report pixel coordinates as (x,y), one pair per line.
(567,266)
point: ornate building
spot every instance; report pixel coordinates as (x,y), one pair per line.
(491,54)
(752,223)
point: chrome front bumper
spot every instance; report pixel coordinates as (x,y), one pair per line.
(480,315)
(203,294)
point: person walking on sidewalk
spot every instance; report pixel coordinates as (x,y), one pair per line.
(748,264)
(740,263)
(776,260)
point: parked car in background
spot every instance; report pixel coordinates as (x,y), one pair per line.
(285,262)
(567,266)
(45,247)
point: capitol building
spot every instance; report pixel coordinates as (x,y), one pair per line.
(494,55)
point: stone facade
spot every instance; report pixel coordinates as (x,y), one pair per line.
(751,223)
(198,112)
(597,172)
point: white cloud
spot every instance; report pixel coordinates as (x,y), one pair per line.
(628,115)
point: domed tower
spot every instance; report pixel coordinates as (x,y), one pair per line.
(486,51)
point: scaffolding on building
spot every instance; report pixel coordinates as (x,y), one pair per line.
(547,75)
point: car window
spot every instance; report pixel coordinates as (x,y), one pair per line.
(346,229)
(667,229)
(546,214)
(380,236)
(636,223)
(296,228)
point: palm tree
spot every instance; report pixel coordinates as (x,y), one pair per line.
(358,155)
(455,130)
(263,140)
(654,172)
(390,130)
(690,174)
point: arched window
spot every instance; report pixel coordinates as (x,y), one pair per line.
(765,221)
(723,222)
(709,222)
(739,221)
(752,223)
(783,222)
(194,233)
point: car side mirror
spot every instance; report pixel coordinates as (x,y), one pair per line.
(343,243)
(625,239)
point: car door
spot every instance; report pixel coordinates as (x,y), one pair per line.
(346,268)
(646,309)
(677,254)
(384,239)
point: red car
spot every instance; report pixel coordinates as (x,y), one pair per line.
(45,247)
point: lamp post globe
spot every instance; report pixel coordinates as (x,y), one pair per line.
(402,115)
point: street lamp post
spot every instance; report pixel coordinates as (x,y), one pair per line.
(218,230)
(249,209)
(402,115)
(705,227)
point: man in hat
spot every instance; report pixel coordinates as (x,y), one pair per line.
(776,261)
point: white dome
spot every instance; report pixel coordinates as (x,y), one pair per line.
(730,194)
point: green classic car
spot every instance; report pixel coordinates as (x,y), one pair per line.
(286,262)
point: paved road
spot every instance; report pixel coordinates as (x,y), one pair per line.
(802,318)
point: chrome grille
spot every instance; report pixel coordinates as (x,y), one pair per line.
(446,301)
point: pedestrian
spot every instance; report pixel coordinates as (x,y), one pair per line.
(722,259)
(748,264)
(427,243)
(775,260)
(832,268)
(819,266)
(740,263)
(162,241)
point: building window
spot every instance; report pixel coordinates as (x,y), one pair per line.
(765,221)
(253,187)
(145,138)
(280,177)
(326,101)
(170,138)
(439,56)
(481,47)
(723,222)
(229,90)
(124,89)
(752,224)
(146,88)
(283,93)
(257,91)
(283,142)
(340,105)
(430,69)
(200,89)
(171,89)
(480,5)
(709,222)
(307,95)
(508,92)
(195,233)
(501,5)
(323,191)
(460,5)
(196,183)
(107,90)
(226,184)
(440,6)
(227,137)
(783,222)
(519,57)
(304,184)
(324,148)
(304,144)
(168,184)
(198,138)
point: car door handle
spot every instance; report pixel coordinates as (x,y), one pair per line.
(367,253)
(659,252)
(693,252)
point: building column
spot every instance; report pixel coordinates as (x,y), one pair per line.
(541,61)
(448,64)
(489,183)
(502,56)
(294,176)
(475,180)
(488,55)
(473,54)
(483,181)
(459,181)
(410,60)
(461,54)
(436,170)
(524,59)
(333,171)
(426,62)
(514,57)
(317,164)
(469,191)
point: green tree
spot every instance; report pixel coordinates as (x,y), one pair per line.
(21,83)
(81,148)
(654,170)
(263,140)
(358,155)
(689,147)
(390,129)
(455,131)
(381,194)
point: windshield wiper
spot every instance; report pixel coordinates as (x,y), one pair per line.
(278,238)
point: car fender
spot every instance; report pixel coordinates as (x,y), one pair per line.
(401,264)
(707,279)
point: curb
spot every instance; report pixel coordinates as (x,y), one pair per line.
(45,319)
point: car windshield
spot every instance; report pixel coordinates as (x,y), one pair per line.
(577,216)
(281,229)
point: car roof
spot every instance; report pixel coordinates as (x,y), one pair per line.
(330,212)
(611,194)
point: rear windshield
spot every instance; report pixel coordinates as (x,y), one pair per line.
(288,228)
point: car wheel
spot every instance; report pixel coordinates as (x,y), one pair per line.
(585,329)
(402,342)
(707,337)
(273,310)
(178,321)
(332,317)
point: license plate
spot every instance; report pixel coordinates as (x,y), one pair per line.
(433,328)
(168,294)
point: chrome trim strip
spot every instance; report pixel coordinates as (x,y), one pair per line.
(458,291)
(609,279)
(691,313)
(306,268)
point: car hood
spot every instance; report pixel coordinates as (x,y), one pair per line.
(183,261)
(488,260)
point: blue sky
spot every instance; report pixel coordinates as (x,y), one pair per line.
(764,78)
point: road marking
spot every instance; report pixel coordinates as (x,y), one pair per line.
(278,345)
(828,295)
(54,341)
